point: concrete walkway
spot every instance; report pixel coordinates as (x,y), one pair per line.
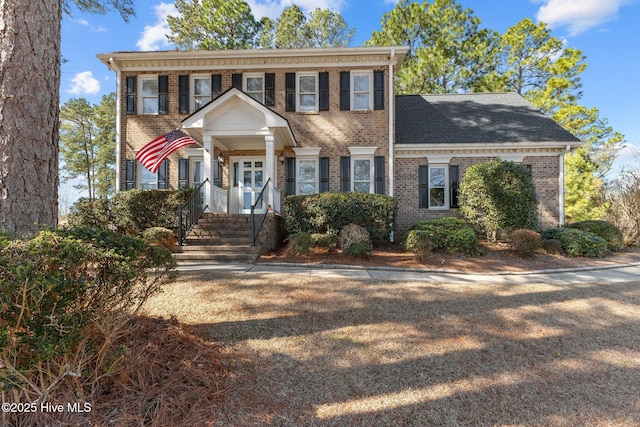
(609,274)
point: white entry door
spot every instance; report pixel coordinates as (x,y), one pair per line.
(251,173)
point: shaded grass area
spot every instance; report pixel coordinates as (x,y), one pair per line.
(318,351)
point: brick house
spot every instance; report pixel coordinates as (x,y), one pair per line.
(314,120)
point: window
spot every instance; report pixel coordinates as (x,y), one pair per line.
(254,86)
(307,92)
(153,181)
(149,94)
(307,176)
(361,90)
(438,187)
(201,89)
(362,175)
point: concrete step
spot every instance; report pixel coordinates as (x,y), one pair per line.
(217,241)
(242,249)
(216,257)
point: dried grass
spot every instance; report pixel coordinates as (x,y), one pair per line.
(317,351)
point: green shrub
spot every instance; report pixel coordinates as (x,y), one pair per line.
(361,249)
(450,235)
(525,242)
(92,213)
(552,246)
(63,291)
(498,195)
(609,232)
(160,236)
(331,212)
(299,243)
(419,243)
(577,242)
(327,240)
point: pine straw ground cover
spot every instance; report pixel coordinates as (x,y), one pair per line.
(322,351)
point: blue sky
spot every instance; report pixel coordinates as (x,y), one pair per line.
(606,31)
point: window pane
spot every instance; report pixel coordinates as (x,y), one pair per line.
(436,197)
(308,101)
(247,201)
(256,95)
(148,180)
(254,84)
(258,164)
(258,179)
(202,87)
(247,178)
(362,187)
(150,105)
(361,83)
(437,177)
(150,87)
(307,84)
(307,171)
(308,188)
(362,170)
(361,101)
(247,165)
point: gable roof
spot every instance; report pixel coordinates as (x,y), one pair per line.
(474,118)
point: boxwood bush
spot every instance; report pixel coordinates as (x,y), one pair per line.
(499,195)
(450,235)
(331,212)
(609,232)
(576,242)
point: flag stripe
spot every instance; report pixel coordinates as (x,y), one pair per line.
(157,150)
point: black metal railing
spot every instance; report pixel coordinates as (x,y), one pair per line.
(190,212)
(259,201)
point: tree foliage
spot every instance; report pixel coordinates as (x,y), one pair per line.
(324,28)
(86,144)
(449,52)
(213,25)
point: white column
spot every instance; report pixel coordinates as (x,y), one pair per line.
(561,190)
(270,167)
(207,142)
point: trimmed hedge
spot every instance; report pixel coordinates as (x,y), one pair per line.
(131,212)
(331,212)
(499,195)
(576,242)
(609,232)
(450,235)
(525,242)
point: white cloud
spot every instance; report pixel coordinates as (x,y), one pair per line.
(84,84)
(579,16)
(273,8)
(154,37)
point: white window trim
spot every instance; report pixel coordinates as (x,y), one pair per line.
(371,172)
(353,76)
(192,89)
(141,98)
(247,76)
(446,186)
(316,106)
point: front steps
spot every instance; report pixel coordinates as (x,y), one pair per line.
(220,238)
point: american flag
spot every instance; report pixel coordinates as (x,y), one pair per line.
(154,152)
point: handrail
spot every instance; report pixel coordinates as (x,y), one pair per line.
(190,212)
(254,234)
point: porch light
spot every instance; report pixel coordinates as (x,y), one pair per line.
(281,158)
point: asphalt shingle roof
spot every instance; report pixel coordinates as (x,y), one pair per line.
(473,118)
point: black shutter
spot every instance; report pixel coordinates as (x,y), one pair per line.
(378,90)
(217,176)
(345,173)
(130,175)
(290,176)
(324,175)
(454,184)
(270,89)
(183,94)
(345,93)
(423,187)
(236,80)
(183,173)
(290,91)
(323,88)
(163,94)
(163,175)
(379,174)
(216,85)
(130,83)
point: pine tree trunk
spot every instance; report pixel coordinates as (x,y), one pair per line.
(29,98)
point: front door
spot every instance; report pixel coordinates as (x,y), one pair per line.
(251,172)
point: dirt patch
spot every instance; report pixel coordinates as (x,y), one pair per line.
(497,257)
(331,352)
